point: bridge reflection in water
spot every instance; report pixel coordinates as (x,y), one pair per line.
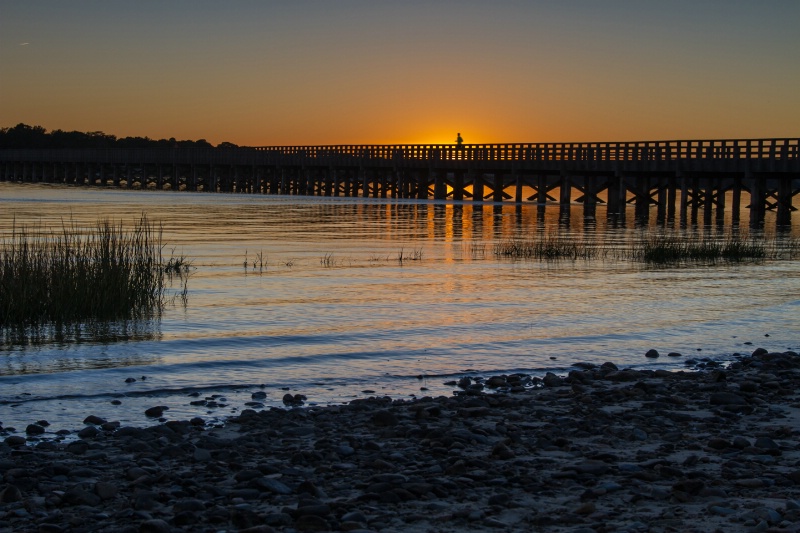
(679,178)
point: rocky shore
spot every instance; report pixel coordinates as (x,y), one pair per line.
(600,450)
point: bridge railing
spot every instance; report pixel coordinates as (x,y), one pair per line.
(776,149)
(784,149)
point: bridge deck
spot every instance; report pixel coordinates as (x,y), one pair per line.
(646,174)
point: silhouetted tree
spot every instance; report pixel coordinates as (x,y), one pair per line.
(24,136)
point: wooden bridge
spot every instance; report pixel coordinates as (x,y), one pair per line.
(677,177)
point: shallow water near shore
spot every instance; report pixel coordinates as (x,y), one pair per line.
(311,296)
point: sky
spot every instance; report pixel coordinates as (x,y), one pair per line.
(311,72)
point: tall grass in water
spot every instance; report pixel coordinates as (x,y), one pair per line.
(68,276)
(552,246)
(670,248)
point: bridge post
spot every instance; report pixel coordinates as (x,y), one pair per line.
(615,200)
(661,200)
(589,197)
(458,185)
(671,197)
(736,202)
(757,201)
(784,200)
(518,183)
(695,192)
(499,186)
(642,203)
(565,190)
(364,182)
(708,200)
(477,187)
(439,187)
(721,191)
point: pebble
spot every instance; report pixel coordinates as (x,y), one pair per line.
(601,449)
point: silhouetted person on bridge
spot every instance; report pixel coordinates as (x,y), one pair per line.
(459,140)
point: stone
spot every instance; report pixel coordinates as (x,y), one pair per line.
(15,441)
(384,417)
(727,398)
(652,354)
(155,412)
(10,494)
(96,420)
(34,429)
(155,525)
(78,447)
(89,432)
(551,380)
(105,490)
(272,485)
(312,523)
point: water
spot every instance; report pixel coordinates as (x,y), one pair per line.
(334,313)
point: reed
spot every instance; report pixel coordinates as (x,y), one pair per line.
(72,276)
(552,246)
(671,248)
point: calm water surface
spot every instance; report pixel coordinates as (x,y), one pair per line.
(333,312)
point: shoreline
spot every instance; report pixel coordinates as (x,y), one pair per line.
(601,449)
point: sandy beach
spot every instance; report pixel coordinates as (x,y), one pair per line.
(602,449)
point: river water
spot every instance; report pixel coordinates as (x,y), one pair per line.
(334,314)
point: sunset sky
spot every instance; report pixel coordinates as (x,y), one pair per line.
(367,71)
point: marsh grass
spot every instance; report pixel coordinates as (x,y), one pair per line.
(653,248)
(413,255)
(673,248)
(70,276)
(551,246)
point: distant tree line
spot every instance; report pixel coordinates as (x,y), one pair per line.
(24,136)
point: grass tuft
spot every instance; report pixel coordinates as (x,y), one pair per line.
(552,246)
(672,248)
(71,276)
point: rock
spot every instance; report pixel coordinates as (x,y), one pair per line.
(155,525)
(105,490)
(78,447)
(189,505)
(384,417)
(296,399)
(766,443)
(130,380)
(96,420)
(592,467)
(652,354)
(748,386)
(201,455)
(674,354)
(272,485)
(718,443)
(155,412)
(15,441)
(260,395)
(551,380)
(10,494)
(34,429)
(88,432)
(624,375)
(727,398)
(740,443)
(312,523)
(496,381)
